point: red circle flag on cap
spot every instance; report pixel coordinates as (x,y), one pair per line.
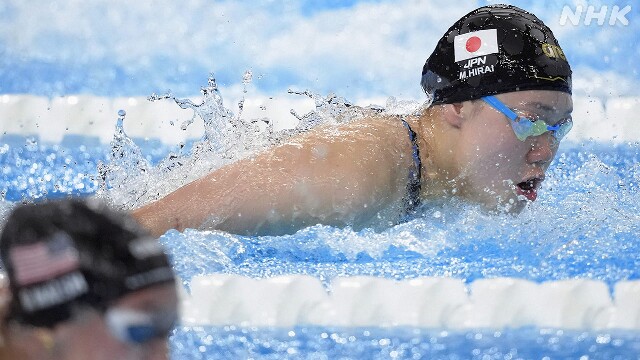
(473,44)
(476,43)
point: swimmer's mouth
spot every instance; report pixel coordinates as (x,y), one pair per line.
(529,188)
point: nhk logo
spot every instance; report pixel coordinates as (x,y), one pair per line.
(578,15)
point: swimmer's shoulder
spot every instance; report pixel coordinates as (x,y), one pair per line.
(367,129)
(374,145)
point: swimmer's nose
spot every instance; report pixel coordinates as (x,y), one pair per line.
(543,149)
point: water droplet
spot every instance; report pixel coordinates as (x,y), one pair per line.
(212,82)
(31,144)
(247,77)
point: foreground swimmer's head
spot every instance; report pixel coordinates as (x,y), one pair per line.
(90,282)
(502,86)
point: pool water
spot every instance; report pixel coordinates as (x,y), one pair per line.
(232,342)
(583,226)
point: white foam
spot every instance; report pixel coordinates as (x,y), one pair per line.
(612,119)
(445,303)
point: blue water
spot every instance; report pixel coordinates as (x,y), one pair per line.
(584,225)
(401,343)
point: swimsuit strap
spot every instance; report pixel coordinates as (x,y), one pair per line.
(413,186)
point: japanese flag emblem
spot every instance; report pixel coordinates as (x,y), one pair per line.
(474,44)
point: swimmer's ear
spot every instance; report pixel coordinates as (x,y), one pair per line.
(453,114)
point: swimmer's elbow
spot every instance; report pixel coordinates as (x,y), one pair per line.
(155,223)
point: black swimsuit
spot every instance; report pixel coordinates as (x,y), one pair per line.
(412,200)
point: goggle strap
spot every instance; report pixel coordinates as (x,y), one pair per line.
(555,127)
(498,105)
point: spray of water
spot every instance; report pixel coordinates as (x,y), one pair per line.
(128,180)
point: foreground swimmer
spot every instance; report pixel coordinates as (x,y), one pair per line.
(85,283)
(500,87)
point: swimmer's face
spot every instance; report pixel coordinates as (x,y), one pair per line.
(88,335)
(497,169)
(158,302)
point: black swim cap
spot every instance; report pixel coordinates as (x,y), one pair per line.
(66,254)
(495,49)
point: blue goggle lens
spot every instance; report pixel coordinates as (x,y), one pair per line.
(524,128)
(137,327)
(141,334)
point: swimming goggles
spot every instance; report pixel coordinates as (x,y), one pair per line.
(524,127)
(138,327)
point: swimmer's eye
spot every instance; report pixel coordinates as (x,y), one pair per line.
(534,126)
(530,117)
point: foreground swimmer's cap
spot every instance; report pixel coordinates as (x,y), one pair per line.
(495,49)
(63,255)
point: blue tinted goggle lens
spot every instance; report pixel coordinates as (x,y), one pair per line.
(138,327)
(524,127)
(140,334)
(562,129)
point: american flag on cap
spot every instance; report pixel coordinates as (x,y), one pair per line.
(44,260)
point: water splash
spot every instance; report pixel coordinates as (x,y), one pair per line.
(126,170)
(128,180)
(246,79)
(331,110)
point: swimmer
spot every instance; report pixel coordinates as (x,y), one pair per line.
(499,89)
(84,282)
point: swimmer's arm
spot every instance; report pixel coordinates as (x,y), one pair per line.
(326,177)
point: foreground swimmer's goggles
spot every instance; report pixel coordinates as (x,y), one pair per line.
(138,327)
(524,127)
